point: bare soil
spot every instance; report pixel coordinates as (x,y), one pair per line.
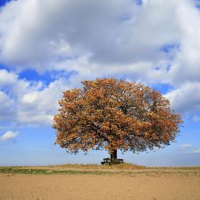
(141,185)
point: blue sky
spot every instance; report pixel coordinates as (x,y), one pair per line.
(49,46)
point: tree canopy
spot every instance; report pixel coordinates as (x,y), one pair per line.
(114,114)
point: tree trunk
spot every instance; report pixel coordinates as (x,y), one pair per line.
(113,155)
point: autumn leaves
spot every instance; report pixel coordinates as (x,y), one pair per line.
(114,114)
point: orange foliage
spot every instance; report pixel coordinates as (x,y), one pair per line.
(114,114)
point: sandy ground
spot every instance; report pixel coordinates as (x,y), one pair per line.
(99,187)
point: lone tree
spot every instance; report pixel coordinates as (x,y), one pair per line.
(114,114)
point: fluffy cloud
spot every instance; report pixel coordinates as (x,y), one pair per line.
(112,33)
(196,151)
(154,42)
(27,102)
(189,149)
(38,106)
(186,99)
(6,111)
(116,35)
(186,65)
(196,118)
(9,135)
(185,146)
(7,78)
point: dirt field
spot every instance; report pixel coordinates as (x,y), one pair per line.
(133,186)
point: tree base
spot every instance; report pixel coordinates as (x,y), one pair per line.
(108,161)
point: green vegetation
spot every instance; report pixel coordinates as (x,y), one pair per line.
(12,170)
(122,169)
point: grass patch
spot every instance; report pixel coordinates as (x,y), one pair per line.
(11,170)
(122,169)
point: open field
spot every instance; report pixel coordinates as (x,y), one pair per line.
(85,182)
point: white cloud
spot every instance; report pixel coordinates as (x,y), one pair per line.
(9,135)
(186,66)
(39,106)
(27,102)
(196,118)
(6,107)
(96,39)
(186,99)
(196,151)
(117,36)
(189,149)
(6,78)
(185,146)
(112,33)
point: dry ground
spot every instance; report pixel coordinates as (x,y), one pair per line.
(140,184)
